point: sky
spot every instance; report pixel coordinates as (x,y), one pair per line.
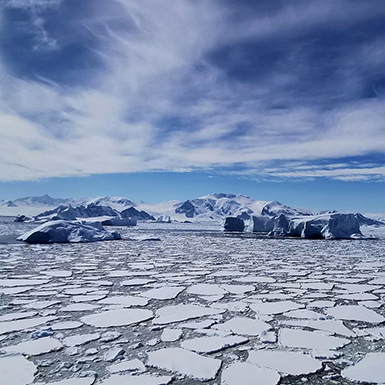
(172,99)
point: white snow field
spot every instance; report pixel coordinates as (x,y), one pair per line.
(198,306)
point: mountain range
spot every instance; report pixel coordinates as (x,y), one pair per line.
(214,206)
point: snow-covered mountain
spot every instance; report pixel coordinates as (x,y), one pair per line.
(7,204)
(217,206)
(211,207)
(117,203)
(40,201)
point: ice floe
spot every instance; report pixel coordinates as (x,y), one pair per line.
(244,326)
(355,313)
(332,326)
(310,340)
(249,374)
(163,293)
(177,313)
(275,307)
(144,379)
(370,369)
(124,300)
(169,335)
(35,347)
(292,363)
(12,326)
(80,339)
(127,366)
(16,370)
(118,317)
(185,362)
(71,381)
(212,344)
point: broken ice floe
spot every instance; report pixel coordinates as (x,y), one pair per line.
(185,362)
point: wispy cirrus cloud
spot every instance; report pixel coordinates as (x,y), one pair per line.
(188,85)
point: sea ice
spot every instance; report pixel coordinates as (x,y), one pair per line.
(332,326)
(249,374)
(124,300)
(310,340)
(80,339)
(12,326)
(127,366)
(170,335)
(17,316)
(185,362)
(163,293)
(292,363)
(275,307)
(206,289)
(35,347)
(212,344)
(355,313)
(370,369)
(16,370)
(71,381)
(144,379)
(170,314)
(118,317)
(66,325)
(244,326)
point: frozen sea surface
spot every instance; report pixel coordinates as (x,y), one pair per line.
(205,306)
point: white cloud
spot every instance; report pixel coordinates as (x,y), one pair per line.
(156,67)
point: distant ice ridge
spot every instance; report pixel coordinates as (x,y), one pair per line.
(68,231)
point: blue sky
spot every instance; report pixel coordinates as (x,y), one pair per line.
(277,99)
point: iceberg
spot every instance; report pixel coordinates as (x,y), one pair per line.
(324,226)
(234,224)
(62,231)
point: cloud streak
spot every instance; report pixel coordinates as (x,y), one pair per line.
(168,92)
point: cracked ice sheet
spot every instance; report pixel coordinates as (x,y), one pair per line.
(57,273)
(288,363)
(370,369)
(163,293)
(212,344)
(185,362)
(16,370)
(243,326)
(12,282)
(35,347)
(144,379)
(249,374)
(70,381)
(206,289)
(177,313)
(316,340)
(304,314)
(12,326)
(267,308)
(355,313)
(65,325)
(17,316)
(124,300)
(80,339)
(118,317)
(127,366)
(332,326)
(88,297)
(170,335)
